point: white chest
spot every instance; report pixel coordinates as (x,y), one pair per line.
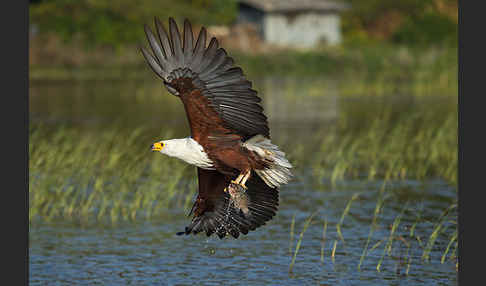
(189,151)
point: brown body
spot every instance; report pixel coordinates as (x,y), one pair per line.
(221,144)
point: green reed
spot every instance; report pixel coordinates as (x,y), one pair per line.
(438,227)
(378,208)
(324,230)
(399,231)
(299,242)
(388,247)
(417,145)
(345,213)
(408,229)
(110,174)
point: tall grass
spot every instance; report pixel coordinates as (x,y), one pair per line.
(418,145)
(104,175)
(111,173)
(299,242)
(402,233)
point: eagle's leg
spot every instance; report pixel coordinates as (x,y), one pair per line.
(242,178)
(245,178)
(240,181)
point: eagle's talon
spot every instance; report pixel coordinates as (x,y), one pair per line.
(237,187)
(239,198)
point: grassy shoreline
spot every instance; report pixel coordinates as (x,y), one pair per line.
(112,182)
(107,178)
(372,63)
(374,70)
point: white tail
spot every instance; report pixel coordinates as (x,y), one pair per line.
(279,171)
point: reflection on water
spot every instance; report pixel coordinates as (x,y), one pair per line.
(299,100)
(149,252)
(134,103)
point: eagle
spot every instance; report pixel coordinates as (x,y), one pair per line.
(239,169)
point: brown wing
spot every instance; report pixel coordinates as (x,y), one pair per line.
(213,212)
(215,93)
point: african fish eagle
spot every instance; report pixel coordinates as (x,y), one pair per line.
(239,169)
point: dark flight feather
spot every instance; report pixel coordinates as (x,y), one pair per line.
(166,44)
(218,215)
(211,71)
(188,39)
(176,43)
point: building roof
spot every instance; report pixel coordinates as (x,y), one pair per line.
(295,5)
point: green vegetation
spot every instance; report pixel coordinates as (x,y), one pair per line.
(409,22)
(104,22)
(418,146)
(370,69)
(299,242)
(401,235)
(107,174)
(385,42)
(103,176)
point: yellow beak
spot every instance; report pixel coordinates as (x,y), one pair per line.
(157,146)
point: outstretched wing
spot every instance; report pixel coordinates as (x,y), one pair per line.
(213,90)
(214,213)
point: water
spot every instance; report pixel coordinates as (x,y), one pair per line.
(149,252)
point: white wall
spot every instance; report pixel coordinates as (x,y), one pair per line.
(303,30)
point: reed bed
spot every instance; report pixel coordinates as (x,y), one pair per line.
(105,175)
(418,146)
(109,173)
(397,249)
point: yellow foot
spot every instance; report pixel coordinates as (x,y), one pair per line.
(239,184)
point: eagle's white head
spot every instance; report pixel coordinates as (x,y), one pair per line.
(185,149)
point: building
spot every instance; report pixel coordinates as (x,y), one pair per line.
(297,23)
